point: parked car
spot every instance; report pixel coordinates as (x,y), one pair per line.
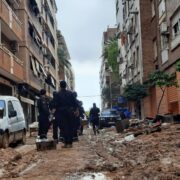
(12,121)
(109,117)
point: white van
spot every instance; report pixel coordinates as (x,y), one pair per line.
(12,121)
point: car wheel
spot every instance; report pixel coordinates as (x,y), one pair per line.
(5,141)
(23,141)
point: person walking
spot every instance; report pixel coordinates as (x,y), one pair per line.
(66,109)
(94,118)
(43,118)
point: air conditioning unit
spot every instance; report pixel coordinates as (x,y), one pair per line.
(120,60)
(124,73)
(129,28)
(131,65)
(14,46)
(164,28)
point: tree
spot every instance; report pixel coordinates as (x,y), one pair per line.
(63,58)
(135,93)
(163,81)
(111,54)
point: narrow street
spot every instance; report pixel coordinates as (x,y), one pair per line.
(105,156)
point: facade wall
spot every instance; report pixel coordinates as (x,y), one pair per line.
(146,38)
(105,72)
(157,37)
(28,31)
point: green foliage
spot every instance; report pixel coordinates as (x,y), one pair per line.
(111,54)
(178,66)
(135,92)
(162,79)
(63,58)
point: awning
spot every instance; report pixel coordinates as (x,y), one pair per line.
(26,100)
(43,71)
(33,66)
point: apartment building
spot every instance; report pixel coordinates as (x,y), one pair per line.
(135,44)
(28,51)
(166,43)
(105,72)
(11,63)
(148,41)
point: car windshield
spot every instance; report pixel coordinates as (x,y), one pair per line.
(108,113)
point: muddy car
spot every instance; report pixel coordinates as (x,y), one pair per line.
(12,121)
(109,117)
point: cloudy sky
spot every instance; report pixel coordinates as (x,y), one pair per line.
(82,23)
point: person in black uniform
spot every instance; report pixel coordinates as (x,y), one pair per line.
(43,118)
(94,116)
(66,109)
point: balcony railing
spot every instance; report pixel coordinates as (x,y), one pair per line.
(10,64)
(10,18)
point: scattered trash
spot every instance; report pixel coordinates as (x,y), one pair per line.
(129,138)
(87,176)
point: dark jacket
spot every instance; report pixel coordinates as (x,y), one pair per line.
(94,114)
(65,102)
(43,106)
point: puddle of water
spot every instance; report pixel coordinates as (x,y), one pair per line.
(88,176)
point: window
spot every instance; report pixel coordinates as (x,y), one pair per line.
(18,108)
(137,58)
(162,8)
(155,49)
(153,8)
(164,42)
(3,107)
(175,21)
(176,29)
(10,107)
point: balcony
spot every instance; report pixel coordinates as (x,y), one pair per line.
(10,66)
(11,22)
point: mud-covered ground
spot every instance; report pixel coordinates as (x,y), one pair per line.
(105,156)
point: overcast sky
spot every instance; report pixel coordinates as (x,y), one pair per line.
(82,23)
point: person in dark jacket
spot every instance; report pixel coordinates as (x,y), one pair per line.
(43,118)
(66,109)
(94,118)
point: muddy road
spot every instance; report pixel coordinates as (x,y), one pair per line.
(107,156)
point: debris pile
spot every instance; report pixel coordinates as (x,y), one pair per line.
(150,156)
